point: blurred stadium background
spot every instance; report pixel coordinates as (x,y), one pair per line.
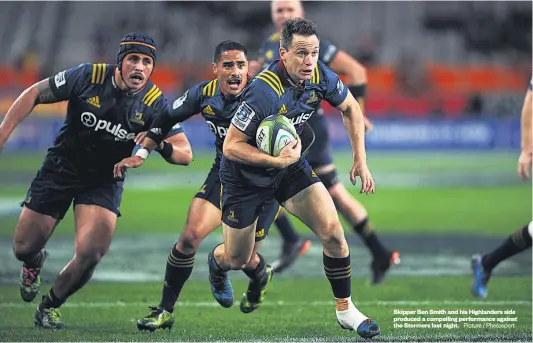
(445,91)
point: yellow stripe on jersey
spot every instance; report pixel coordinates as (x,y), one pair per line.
(316,75)
(210,88)
(151,95)
(98,75)
(272,80)
(154,97)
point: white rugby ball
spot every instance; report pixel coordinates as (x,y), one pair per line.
(274,133)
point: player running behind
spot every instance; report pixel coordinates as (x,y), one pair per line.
(108,105)
(217,100)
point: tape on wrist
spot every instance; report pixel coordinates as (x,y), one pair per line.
(142,153)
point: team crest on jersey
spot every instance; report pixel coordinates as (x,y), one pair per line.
(137,118)
(243,116)
(312,97)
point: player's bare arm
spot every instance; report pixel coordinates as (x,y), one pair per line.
(181,150)
(352,117)
(178,146)
(39,93)
(181,153)
(355,74)
(524,161)
(237,148)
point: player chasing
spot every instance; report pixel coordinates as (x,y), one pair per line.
(217,100)
(319,155)
(293,87)
(520,240)
(109,106)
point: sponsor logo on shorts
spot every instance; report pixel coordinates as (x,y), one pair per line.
(260,233)
(231,217)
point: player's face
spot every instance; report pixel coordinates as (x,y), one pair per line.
(136,70)
(232,72)
(285,10)
(302,57)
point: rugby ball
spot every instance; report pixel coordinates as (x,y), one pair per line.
(274,133)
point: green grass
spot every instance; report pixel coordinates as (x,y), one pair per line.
(297,309)
(484,211)
(468,209)
(389,161)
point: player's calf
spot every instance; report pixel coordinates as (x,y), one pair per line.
(178,270)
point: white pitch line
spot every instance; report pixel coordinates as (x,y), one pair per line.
(108,304)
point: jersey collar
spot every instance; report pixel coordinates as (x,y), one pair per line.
(286,79)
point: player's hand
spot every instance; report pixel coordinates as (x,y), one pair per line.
(524,165)
(131,162)
(368,124)
(367,182)
(290,153)
(140,137)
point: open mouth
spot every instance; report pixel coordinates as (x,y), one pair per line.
(234,84)
(137,78)
(307,71)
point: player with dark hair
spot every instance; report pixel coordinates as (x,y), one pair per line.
(217,101)
(293,87)
(319,155)
(520,240)
(109,106)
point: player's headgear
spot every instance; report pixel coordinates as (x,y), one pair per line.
(138,43)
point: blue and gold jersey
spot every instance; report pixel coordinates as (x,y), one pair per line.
(269,51)
(101,120)
(272,92)
(205,98)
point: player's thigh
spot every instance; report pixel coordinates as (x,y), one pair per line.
(239,244)
(47,200)
(32,232)
(95,227)
(96,211)
(202,219)
(242,204)
(270,211)
(315,208)
(241,207)
(204,214)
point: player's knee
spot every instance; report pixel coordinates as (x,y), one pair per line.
(237,262)
(189,241)
(90,257)
(24,249)
(332,233)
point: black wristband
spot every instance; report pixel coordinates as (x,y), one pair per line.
(358,91)
(167,150)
